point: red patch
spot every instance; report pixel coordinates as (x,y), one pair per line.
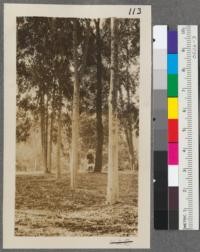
(172,131)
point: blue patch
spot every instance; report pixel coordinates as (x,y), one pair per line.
(172,63)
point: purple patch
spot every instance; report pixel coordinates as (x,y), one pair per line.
(172,45)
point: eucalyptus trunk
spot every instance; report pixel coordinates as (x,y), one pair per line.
(42,129)
(113,176)
(78,75)
(46,134)
(75,112)
(59,135)
(51,132)
(99,124)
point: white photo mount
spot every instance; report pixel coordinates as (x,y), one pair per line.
(142,239)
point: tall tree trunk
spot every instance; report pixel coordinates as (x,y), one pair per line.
(59,134)
(46,133)
(51,132)
(74,164)
(99,124)
(42,128)
(129,139)
(75,112)
(129,126)
(113,179)
(135,144)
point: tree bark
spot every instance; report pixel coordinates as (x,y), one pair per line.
(129,128)
(99,124)
(75,113)
(113,180)
(78,74)
(127,122)
(51,132)
(59,134)
(135,144)
(46,134)
(42,128)
(129,139)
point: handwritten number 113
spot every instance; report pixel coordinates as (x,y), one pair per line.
(133,11)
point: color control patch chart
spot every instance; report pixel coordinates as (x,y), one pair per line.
(175,121)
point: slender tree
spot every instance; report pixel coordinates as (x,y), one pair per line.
(113,180)
(51,131)
(46,133)
(75,113)
(99,124)
(78,75)
(129,79)
(42,128)
(43,59)
(59,133)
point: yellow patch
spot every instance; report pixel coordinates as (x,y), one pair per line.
(172,108)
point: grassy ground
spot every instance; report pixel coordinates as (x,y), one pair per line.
(47,207)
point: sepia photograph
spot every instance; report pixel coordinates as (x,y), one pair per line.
(77,126)
(79,121)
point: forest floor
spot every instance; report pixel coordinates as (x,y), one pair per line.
(47,207)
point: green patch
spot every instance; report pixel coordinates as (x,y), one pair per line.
(172,85)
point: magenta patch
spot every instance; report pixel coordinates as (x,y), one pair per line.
(172,153)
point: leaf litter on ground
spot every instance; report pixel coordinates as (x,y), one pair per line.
(48,207)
